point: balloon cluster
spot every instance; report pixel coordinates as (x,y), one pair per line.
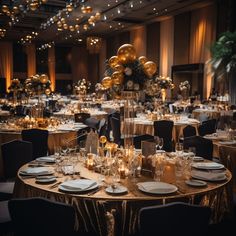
(38,84)
(16,86)
(126,70)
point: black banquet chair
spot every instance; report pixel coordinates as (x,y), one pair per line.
(203,146)
(39,216)
(207,127)
(164,129)
(189,131)
(14,154)
(39,140)
(175,218)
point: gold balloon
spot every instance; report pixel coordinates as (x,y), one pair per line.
(150,68)
(142,59)
(107,82)
(103,139)
(126,53)
(119,68)
(47,91)
(117,77)
(43,79)
(113,61)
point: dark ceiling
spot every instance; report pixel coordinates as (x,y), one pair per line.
(116,15)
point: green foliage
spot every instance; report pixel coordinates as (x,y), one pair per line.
(224,54)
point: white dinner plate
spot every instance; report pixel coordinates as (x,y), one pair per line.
(227,142)
(118,190)
(157,187)
(92,185)
(208,166)
(195,183)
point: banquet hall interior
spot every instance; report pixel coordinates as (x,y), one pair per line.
(117,117)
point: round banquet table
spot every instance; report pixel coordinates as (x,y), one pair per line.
(55,139)
(103,214)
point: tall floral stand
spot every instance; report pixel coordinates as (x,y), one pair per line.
(163,95)
(128,118)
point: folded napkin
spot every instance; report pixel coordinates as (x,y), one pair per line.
(36,170)
(79,184)
(46,159)
(158,187)
(212,176)
(208,165)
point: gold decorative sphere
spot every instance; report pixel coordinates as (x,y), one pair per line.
(103,139)
(107,82)
(47,91)
(142,59)
(119,68)
(59,24)
(117,77)
(126,53)
(5,8)
(69,8)
(150,68)
(43,79)
(113,61)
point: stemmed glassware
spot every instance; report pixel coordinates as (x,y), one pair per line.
(161,143)
(157,139)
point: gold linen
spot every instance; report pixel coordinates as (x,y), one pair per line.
(109,215)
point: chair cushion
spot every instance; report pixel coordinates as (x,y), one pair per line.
(6,190)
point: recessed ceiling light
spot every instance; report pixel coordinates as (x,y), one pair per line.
(110,26)
(154,9)
(108,5)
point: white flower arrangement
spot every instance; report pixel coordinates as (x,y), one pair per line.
(184,85)
(82,86)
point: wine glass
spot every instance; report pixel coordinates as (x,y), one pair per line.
(161,143)
(156,139)
(179,148)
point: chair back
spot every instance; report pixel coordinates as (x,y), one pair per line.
(189,131)
(15,154)
(39,216)
(176,218)
(164,129)
(102,129)
(204,147)
(39,140)
(115,125)
(81,117)
(207,127)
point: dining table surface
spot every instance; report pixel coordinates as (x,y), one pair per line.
(109,213)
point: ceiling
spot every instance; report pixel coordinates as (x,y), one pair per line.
(41,24)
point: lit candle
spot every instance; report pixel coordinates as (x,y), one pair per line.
(122,172)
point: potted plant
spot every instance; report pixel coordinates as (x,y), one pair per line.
(223,60)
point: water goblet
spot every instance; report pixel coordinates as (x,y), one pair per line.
(161,143)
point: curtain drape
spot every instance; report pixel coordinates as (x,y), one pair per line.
(138,40)
(51,67)
(6,62)
(202,34)
(31,59)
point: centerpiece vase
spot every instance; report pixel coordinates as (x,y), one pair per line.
(163,95)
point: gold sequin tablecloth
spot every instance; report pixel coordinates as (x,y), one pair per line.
(105,214)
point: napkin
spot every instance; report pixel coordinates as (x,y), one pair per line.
(208,165)
(46,159)
(79,184)
(214,176)
(155,186)
(36,170)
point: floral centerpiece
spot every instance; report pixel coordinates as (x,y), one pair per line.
(164,83)
(184,88)
(37,85)
(16,86)
(82,86)
(127,72)
(184,85)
